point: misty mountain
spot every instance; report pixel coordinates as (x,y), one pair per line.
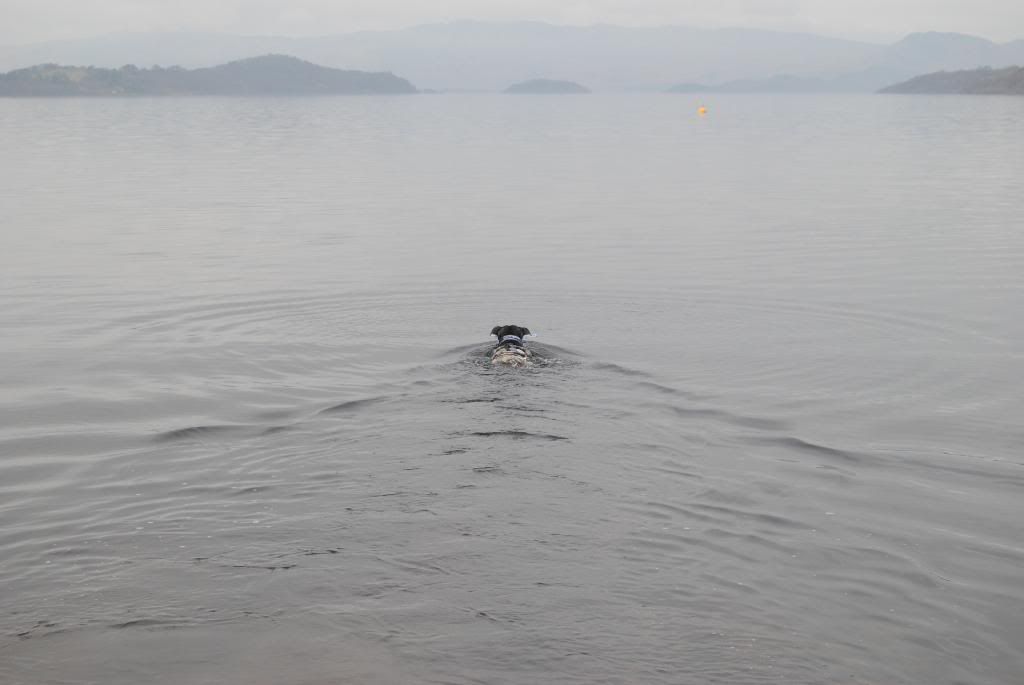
(470,55)
(986,81)
(489,56)
(945,51)
(918,52)
(266,75)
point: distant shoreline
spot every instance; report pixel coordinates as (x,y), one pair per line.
(286,76)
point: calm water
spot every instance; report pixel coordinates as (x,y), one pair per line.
(248,435)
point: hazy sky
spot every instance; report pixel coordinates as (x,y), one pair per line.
(23,21)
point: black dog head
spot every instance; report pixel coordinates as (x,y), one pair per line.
(517,331)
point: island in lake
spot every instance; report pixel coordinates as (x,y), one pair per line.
(984,81)
(545,86)
(266,75)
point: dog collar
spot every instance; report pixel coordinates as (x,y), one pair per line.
(510,339)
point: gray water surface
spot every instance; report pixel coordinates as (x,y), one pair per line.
(248,434)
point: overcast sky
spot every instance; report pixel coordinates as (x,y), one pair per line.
(24,21)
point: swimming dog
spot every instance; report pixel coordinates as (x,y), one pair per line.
(510,349)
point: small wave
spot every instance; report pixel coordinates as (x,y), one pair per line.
(350,406)
(150,623)
(668,390)
(196,432)
(200,433)
(619,369)
(794,443)
(730,417)
(517,435)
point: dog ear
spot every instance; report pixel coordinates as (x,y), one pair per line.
(526,331)
(494,331)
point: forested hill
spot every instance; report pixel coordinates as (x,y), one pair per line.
(266,75)
(985,81)
(547,87)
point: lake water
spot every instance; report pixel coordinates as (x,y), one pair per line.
(248,434)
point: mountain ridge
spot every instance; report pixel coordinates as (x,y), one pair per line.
(262,75)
